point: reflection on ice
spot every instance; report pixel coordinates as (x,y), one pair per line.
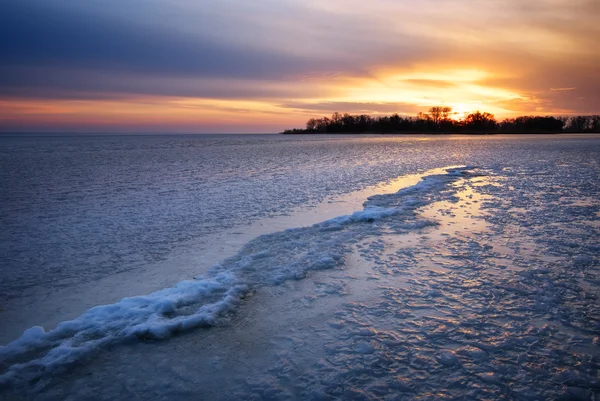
(459,287)
(267,260)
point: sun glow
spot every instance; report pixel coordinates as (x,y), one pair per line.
(450,75)
(461,110)
(465,90)
(406,93)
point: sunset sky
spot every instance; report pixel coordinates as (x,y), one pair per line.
(264,65)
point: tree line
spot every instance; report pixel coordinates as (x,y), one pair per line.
(439,120)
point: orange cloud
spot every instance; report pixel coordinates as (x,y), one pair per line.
(279,64)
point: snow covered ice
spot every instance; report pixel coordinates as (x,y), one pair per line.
(477,282)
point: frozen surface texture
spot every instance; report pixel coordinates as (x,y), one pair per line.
(268,260)
(481,283)
(77,209)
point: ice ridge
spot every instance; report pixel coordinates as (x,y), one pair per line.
(267,260)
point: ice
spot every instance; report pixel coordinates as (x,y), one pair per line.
(88,220)
(200,302)
(447,358)
(481,283)
(158,315)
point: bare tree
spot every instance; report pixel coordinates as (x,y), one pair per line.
(440,114)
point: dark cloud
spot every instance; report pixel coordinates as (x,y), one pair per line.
(35,33)
(283,52)
(46,82)
(63,49)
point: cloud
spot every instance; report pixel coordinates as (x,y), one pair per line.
(45,82)
(353,107)
(305,56)
(435,83)
(36,33)
(261,40)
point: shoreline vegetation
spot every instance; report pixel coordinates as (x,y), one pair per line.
(439,121)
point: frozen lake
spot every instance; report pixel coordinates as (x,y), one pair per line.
(312,267)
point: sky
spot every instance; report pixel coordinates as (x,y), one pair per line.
(235,66)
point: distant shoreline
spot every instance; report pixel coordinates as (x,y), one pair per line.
(440,120)
(438,133)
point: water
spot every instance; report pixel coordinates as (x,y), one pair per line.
(478,282)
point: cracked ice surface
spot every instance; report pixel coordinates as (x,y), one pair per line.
(481,284)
